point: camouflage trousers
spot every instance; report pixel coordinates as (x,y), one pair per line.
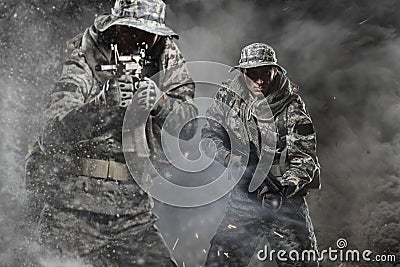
(249,227)
(104,240)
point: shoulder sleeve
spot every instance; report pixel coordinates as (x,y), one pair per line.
(179,87)
(301,145)
(65,118)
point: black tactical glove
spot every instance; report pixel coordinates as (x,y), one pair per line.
(272,193)
(148,94)
(118,91)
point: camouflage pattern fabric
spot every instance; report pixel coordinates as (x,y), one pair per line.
(302,162)
(104,240)
(84,216)
(252,214)
(256,55)
(248,226)
(77,128)
(146,15)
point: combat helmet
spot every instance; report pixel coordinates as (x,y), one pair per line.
(146,15)
(256,55)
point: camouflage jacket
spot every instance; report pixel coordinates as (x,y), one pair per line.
(71,102)
(76,127)
(231,111)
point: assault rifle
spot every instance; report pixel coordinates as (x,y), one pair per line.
(131,65)
(126,65)
(271,182)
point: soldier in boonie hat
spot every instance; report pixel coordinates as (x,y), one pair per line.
(260,109)
(109,217)
(147,15)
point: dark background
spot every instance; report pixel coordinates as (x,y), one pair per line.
(345,55)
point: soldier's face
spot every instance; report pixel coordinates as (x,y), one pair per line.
(127,39)
(258,79)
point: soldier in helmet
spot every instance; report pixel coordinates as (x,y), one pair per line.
(271,211)
(94,209)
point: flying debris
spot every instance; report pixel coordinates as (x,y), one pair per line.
(362,22)
(231,226)
(176,242)
(278,234)
(186,155)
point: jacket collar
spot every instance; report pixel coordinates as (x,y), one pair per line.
(282,92)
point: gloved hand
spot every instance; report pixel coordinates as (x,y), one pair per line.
(272,193)
(148,94)
(118,91)
(271,201)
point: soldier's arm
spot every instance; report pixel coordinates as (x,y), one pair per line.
(69,117)
(301,145)
(214,132)
(179,88)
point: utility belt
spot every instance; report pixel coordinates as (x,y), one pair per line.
(103,169)
(110,169)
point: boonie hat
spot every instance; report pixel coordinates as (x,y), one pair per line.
(146,15)
(256,55)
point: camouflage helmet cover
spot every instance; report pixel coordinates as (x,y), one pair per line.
(146,15)
(256,55)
